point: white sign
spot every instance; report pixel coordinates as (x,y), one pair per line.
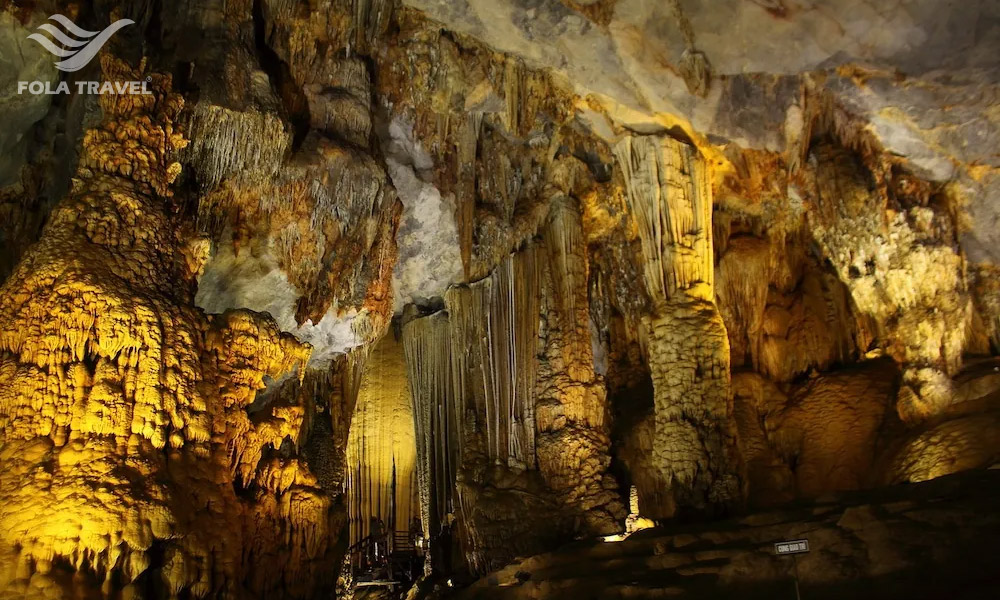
(791,547)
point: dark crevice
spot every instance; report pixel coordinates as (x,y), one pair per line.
(282,82)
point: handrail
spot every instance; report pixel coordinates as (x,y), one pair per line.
(383,556)
(363,541)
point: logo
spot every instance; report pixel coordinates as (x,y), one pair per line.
(80,50)
(78,47)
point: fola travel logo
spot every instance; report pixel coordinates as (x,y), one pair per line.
(78,47)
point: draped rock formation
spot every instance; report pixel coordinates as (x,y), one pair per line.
(382,476)
(473,376)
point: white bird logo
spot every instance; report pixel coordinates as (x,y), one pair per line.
(76,56)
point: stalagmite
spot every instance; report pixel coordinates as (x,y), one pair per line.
(670,198)
(366,286)
(137,401)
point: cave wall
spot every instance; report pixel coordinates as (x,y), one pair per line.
(144,469)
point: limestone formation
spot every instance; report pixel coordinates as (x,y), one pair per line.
(371,297)
(902,267)
(694,442)
(126,439)
(381,452)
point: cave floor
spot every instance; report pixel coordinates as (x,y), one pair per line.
(930,540)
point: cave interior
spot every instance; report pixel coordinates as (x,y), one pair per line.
(499,299)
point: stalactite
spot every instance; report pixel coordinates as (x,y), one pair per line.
(468,308)
(567,253)
(785,312)
(437,416)
(513,81)
(513,336)
(381,450)
(566,250)
(670,197)
(812,326)
(475,365)
(311,195)
(465,209)
(500,316)
(371,19)
(227,143)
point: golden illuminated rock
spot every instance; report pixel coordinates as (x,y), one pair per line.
(123,416)
(897,260)
(381,451)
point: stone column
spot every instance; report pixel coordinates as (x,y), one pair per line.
(694,444)
(572,408)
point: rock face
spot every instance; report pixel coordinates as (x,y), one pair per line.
(483,270)
(23,61)
(126,439)
(861,545)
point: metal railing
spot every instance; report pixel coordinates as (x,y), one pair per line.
(384,559)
